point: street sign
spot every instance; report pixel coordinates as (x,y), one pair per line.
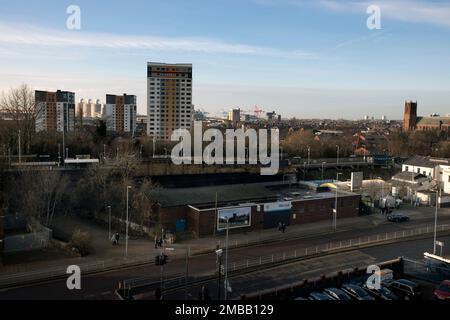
(439,243)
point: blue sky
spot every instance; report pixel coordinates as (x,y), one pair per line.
(302,58)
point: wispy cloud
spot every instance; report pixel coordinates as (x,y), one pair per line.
(42,37)
(417,11)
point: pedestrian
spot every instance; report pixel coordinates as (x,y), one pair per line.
(156,241)
(117,238)
(279,226)
(113,239)
(284,227)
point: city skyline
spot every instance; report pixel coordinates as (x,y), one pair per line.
(300,58)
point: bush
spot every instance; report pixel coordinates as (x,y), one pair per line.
(81,242)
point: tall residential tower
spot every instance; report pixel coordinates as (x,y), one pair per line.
(121,113)
(55,111)
(169,98)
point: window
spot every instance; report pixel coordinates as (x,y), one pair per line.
(406,168)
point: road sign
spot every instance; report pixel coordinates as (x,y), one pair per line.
(439,243)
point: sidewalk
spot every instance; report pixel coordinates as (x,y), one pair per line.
(143,249)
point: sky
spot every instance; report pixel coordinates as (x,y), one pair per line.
(300,58)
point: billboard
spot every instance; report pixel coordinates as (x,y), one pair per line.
(238,217)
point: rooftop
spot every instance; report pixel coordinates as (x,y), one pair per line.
(238,194)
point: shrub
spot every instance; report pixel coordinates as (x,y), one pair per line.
(81,242)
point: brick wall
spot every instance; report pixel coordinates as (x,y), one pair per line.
(202,223)
(320,210)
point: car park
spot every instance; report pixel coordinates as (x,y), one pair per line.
(319,296)
(381,293)
(405,289)
(337,294)
(443,291)
(356,292)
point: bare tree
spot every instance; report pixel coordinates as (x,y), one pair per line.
(37,194)
(18,105)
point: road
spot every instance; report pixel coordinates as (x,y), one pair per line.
(102,285)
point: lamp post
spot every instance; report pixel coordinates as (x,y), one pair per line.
(226,261)
(309,154)
(20,150)
(337,155)
(109,221)
(127,223)
(336,202)
(435,222)
(323,163)
(219,254)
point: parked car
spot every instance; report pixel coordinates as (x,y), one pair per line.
(397,218)
(319,296)
(382,293)
(356,292)
(405,289)
(337,294)
(443,291)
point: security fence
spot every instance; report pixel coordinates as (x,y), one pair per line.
(28,241)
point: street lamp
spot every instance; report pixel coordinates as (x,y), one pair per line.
(337,155)
(109,223)
(126,231)
(435,221)
(219,254)
(226,261)
(323,163)
(309,154)
(336,202)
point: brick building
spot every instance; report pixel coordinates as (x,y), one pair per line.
(412,122)
(194,209)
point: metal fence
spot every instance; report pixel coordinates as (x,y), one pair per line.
(28,241)
(426,270)
(293,255)
(234,266)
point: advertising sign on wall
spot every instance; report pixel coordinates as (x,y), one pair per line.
(238,217)
(277,206)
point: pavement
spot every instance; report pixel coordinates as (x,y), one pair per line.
(103,250)
(102,285)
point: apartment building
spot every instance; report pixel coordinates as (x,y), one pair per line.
(55,111)
(120,113)
(169,98)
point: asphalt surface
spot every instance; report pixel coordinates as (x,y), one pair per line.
(103,285)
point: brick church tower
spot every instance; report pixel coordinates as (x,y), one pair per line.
(410,116)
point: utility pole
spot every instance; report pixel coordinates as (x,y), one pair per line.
(226,261)
(215,218)
(322,169)
(336,203)
(126,231)
(20,151)
(187,274)
(109,208)
(337,155)
(309,154)
(435,222)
